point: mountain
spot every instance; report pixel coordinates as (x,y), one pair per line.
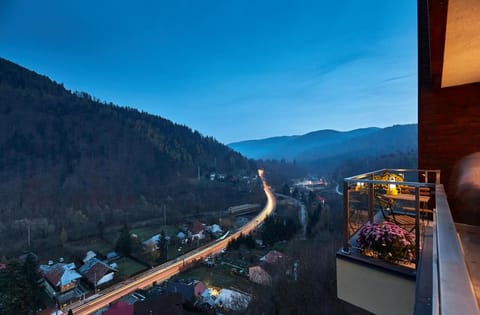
(326,149)
(67,157)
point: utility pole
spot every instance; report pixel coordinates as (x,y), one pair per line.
(164,214)
(198,172)
(28,230)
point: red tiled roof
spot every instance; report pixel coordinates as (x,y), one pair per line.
(120,308)
(272,257)
(54,275)
(170,304)
(96,272)
(199,288)
(197,227)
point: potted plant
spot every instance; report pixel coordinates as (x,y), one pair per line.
(387,241)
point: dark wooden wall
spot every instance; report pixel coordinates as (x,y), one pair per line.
(448,118)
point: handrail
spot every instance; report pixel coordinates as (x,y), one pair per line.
(454,288)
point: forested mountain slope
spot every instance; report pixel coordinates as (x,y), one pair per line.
(70,159)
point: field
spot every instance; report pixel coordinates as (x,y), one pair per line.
(145,233)
(128,267)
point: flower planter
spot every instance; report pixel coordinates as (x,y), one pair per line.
(387,241)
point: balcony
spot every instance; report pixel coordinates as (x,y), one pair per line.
(400,253)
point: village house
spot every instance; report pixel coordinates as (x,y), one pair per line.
(97,272)
(152,242)
(170,304)
(232,300)
(59,277)
(215,229)
(190,290)
(120,308)
(198,230)
(260,274)
(272,257)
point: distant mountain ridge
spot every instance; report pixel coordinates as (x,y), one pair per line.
(329,147)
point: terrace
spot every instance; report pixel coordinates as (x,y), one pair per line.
(401,254)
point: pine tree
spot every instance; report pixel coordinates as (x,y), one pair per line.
(163,246)
(33,282)
(124,242)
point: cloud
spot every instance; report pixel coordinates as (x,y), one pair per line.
(400,77)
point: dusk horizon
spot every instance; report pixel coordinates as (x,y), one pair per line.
(232,71)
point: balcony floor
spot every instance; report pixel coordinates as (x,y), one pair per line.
(470,238)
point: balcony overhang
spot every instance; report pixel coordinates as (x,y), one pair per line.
(461,62)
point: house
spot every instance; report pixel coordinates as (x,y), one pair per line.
(182,237)
(170,304)
(152,242)
(120,308)
(215,229)
(207,298)
(190,290)
(97,272)
(272,257)
(112,255)
(90,254)
(198,230)
(260,274)
(232,300)
(60,277)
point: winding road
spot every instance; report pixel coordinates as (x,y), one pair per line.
(170,268)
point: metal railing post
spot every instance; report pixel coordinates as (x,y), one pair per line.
(417,225)
(370,200)
(346,207)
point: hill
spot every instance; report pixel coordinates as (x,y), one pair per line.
(327,149)
(69,160)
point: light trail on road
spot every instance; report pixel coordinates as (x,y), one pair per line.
(173,267)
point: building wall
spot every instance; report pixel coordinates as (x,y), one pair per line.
(373,289)
(68,287)
(448,118)
(106,278)
(449,129)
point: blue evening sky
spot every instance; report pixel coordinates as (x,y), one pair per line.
(231,69)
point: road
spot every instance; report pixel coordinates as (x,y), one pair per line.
(171,268)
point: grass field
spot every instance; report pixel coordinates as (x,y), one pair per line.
(128,267)
(145,233)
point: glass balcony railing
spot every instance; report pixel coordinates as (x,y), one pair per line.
(386,213)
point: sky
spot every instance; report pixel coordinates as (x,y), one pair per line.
(231,69)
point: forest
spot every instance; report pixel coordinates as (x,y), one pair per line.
(69,161)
